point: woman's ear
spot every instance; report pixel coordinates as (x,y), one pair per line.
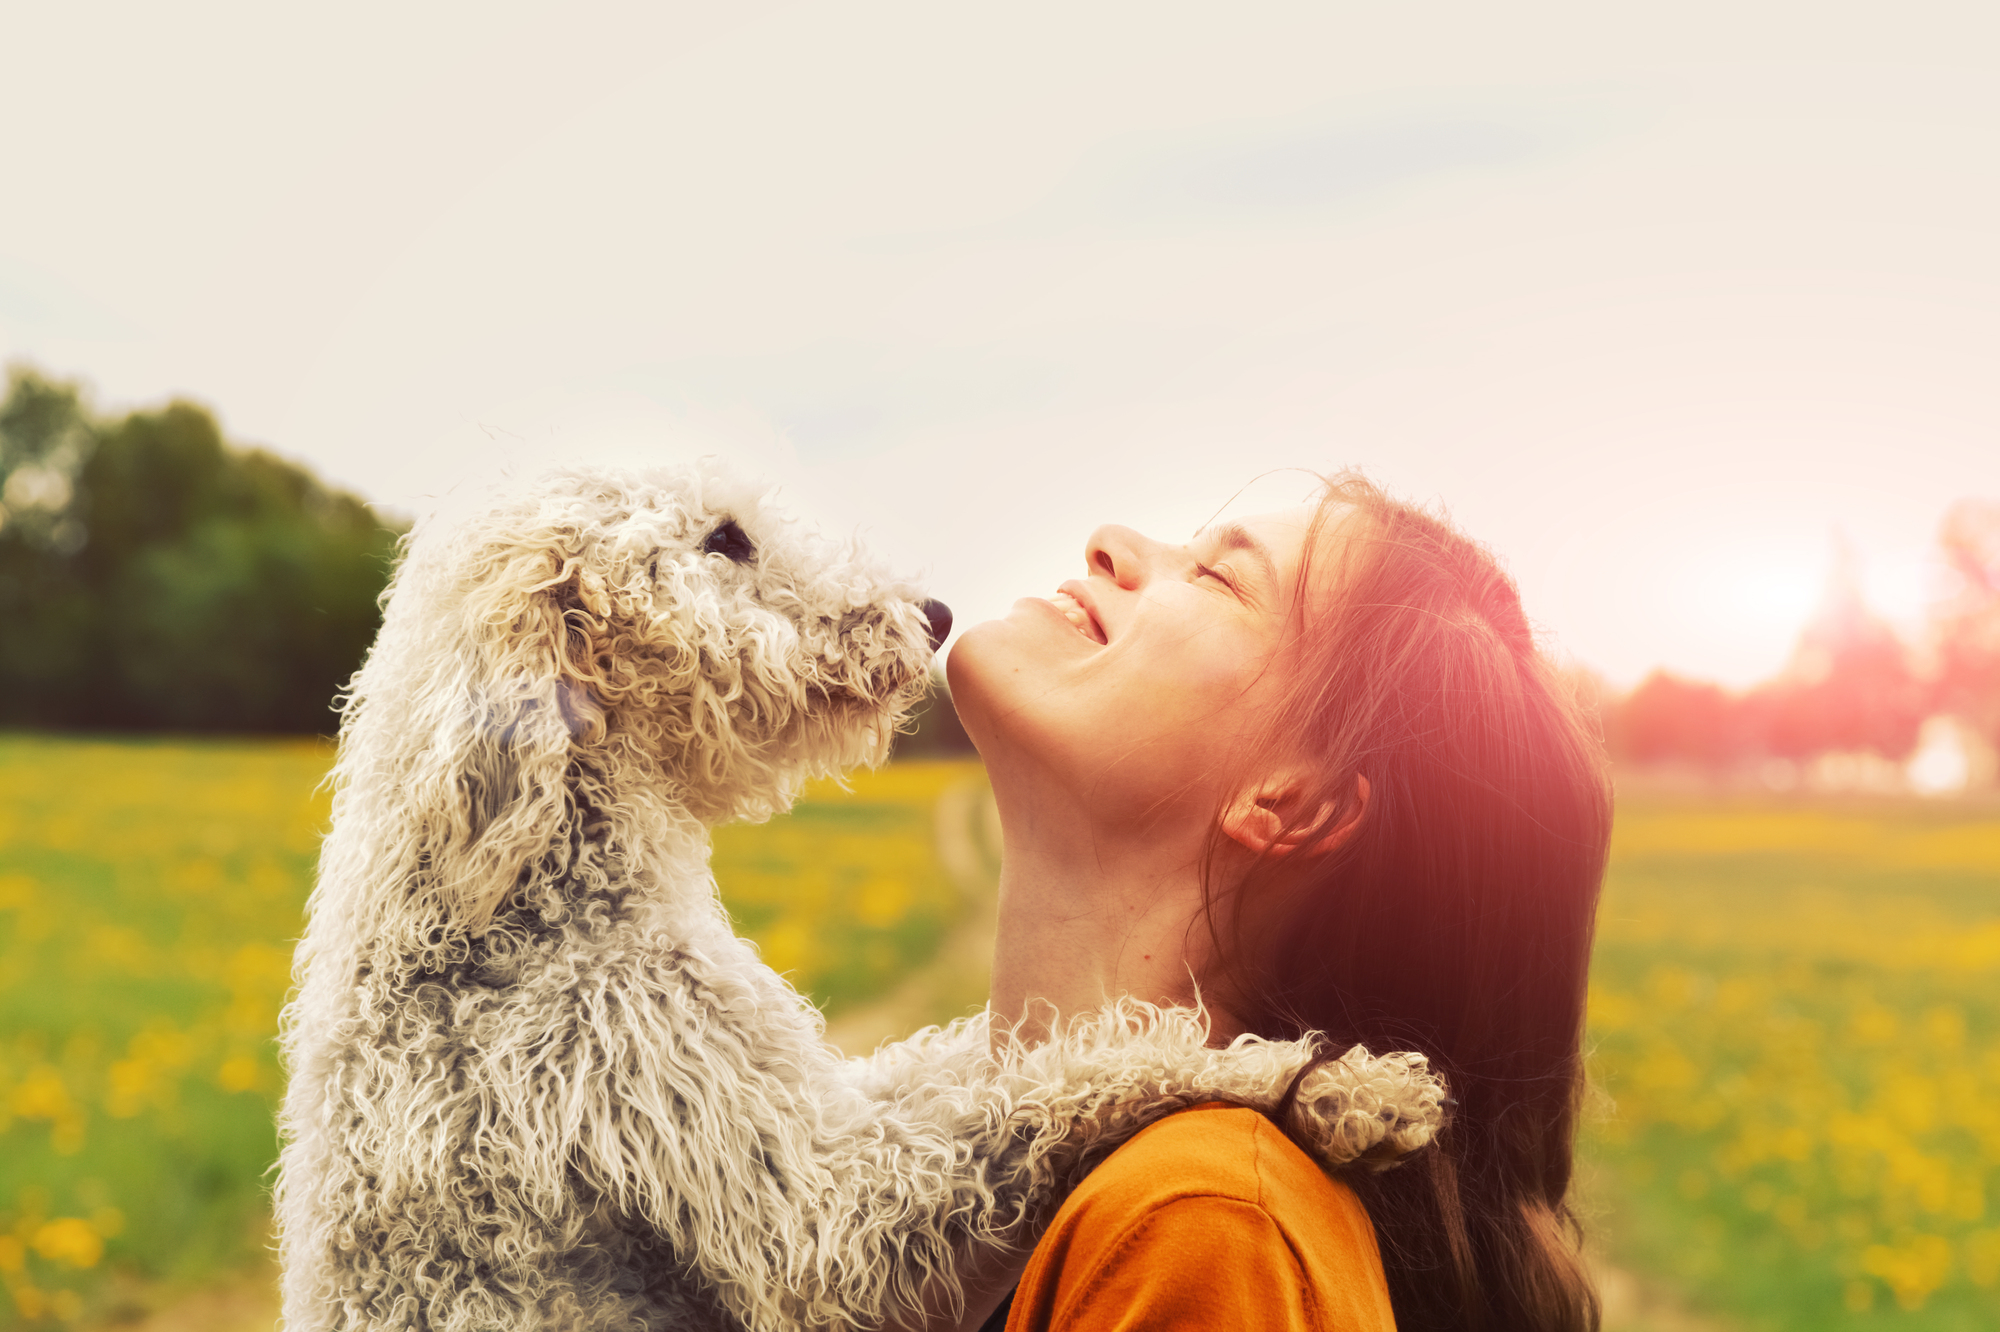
(1266,819)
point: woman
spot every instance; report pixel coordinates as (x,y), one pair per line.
(1310,770)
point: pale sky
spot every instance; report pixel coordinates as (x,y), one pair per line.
(1654,303)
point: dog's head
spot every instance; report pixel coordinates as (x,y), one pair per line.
(617,636)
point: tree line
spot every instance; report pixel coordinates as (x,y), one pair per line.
(155,577)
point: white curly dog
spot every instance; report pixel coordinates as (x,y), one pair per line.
(536,1079)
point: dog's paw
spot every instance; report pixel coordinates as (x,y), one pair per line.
(1369,1109)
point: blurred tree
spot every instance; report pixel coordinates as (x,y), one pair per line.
(1668,719)
(1849,685)
(1967,623)
(152,577)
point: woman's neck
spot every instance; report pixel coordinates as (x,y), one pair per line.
(1092,908)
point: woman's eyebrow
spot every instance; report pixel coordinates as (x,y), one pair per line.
(1235,536)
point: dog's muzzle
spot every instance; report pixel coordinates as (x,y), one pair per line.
(939,616)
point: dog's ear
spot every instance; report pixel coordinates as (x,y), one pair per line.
(521,695)
(579,653)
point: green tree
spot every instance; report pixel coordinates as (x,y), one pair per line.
(152,577)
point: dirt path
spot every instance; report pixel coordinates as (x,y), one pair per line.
(1634,1305)
(247,1302)
(954,981)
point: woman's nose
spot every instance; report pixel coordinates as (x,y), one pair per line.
(1120,554)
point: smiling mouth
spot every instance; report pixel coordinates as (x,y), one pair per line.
(1079,615)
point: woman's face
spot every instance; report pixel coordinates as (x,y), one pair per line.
(1139,687)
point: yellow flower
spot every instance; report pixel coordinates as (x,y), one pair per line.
(41,1095)
(69,1240)
(1912,1270)
(882,902)
(237,1074)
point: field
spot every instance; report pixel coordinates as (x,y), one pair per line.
(149,894)
(1795,1023)
(1795,1019)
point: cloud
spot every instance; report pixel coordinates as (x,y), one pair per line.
(1293,172)
(36,303)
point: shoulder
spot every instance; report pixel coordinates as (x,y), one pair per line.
(1218,1152)
(1209,1216)
(1211,1151)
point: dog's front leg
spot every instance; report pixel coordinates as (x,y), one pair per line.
(810,1191)
(1035,1120)
(692,1094)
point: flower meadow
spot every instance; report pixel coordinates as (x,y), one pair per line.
(1795,1051)
(847,892)
(150,893)
(1795,1023)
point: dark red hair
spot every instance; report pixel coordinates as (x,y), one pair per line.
(1456,920)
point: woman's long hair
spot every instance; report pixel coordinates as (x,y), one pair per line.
(1455,920)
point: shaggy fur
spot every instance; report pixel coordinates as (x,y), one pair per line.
(537,1081)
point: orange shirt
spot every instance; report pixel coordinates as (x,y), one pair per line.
(1210,1218)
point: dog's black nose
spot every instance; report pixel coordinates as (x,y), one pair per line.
(939,615)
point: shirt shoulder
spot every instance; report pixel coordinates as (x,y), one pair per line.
(1210,1217)
(1210,1151)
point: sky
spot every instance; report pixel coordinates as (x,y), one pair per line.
(1661,302)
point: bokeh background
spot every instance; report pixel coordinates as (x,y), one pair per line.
(1691,313)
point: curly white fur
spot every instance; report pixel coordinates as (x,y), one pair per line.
(537,1081)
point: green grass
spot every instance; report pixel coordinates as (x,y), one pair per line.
(148,896)
(1796,1020)
(1795,1013)
(150,893)
(846,894)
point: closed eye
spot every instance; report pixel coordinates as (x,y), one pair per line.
(1203,571)
(729,540)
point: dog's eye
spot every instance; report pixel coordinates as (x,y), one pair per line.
(729,540)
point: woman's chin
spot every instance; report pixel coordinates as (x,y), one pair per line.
(1000,672)
(969,666)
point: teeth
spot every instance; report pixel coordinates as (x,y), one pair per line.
(1074,612)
